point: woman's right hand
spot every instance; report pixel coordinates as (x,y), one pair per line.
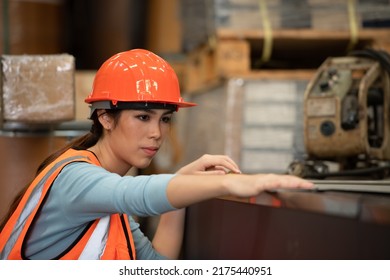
(188,189)
(210,165)
(252,185)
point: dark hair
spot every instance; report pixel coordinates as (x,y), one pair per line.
(82,143)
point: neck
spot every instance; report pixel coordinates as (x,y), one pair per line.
(108,162)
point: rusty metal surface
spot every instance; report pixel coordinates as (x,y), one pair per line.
(335,224)
(367,201)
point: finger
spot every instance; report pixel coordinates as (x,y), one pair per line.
(229,164)
(233,165)
(223,169)
(298,183)
(212,172)
(217,168)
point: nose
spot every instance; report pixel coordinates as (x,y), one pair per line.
(155,130)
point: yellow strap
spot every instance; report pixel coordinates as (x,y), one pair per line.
(267,46)
(353,24)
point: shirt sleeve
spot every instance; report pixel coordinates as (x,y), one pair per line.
(85,192)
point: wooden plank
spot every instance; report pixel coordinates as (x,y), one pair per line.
(240,52)
(291,39)
(200,69)
(304,48)
(303,34)
(232,56)
(276,74)
(207,67)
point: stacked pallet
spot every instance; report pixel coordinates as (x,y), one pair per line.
(248,74)
(238,37)
(237,54)
(202,19)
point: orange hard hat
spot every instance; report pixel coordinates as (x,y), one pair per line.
(134,77)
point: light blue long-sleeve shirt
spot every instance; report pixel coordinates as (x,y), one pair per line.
(84,192)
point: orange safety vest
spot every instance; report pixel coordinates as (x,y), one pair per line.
(107,238)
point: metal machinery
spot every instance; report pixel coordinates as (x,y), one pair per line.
(346,123)
(346,117)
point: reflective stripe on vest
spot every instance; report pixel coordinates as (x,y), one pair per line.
(33,200)
(95,238)
(97,242)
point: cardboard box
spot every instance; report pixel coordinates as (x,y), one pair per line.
(37,88)
(83,87)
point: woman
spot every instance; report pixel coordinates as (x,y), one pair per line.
(80,204)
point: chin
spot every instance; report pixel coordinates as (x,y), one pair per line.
(143,165)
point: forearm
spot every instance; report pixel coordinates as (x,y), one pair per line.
(184,190)
(169,234)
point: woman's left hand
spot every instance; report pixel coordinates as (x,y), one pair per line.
(210,164)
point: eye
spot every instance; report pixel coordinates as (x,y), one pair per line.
(166,119)
(143,117)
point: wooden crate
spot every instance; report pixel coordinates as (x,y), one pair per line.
(235,52)
(202,18)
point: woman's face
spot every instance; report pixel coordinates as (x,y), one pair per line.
(138,136)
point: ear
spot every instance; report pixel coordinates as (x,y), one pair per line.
(105,119)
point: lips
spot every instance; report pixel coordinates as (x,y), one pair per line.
(150,151)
